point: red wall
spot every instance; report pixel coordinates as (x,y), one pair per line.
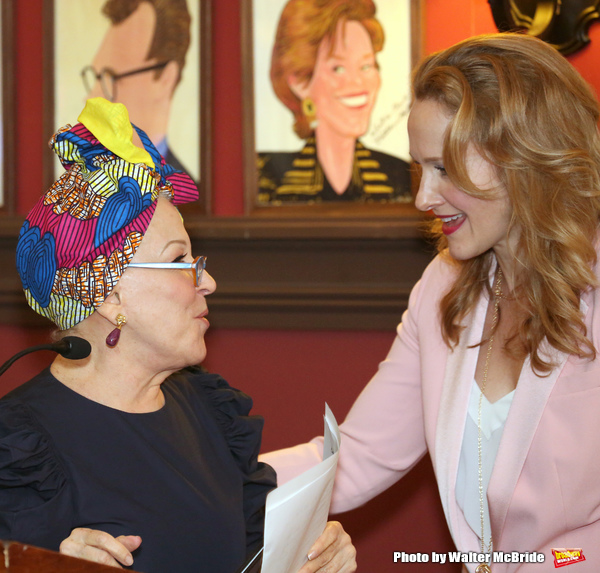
(290,374)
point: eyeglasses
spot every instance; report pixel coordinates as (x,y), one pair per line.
(199,264)
(108,78)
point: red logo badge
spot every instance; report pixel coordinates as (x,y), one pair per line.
(564,557)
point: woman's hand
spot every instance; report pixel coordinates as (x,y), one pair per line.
(333,552)
(100,547)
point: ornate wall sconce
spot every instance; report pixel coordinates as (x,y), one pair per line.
(562,23)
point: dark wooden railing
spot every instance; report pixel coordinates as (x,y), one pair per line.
(20,558)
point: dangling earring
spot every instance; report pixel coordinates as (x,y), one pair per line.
(309,109)
(113,337)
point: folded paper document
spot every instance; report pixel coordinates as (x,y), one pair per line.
(296,512)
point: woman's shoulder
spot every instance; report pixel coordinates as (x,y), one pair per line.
(386,161)
(231,409)
(29,467)
(229,406)
(275,164)
(213,389)
(436,280)
(440,272)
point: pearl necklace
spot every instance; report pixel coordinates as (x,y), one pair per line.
(484,567)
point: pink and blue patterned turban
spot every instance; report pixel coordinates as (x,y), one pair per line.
(81,235)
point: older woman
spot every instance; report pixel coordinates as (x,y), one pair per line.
(324,70)
(132,455)
(495,372)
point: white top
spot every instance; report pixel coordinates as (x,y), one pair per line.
(493,418)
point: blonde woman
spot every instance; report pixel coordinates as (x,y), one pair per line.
(495,371)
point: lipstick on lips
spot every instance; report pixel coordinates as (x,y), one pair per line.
(452,223)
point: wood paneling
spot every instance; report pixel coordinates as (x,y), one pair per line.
(322,274)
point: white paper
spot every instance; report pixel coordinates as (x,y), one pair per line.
(296,512)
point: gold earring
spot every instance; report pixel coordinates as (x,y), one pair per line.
(309,109)
(113,338)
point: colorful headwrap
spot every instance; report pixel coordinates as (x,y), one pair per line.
(81,235)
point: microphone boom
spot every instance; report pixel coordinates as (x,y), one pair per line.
(71,347)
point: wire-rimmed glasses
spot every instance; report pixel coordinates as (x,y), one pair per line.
(108,78)
(198,265)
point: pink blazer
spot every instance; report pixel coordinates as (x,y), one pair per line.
(544,491)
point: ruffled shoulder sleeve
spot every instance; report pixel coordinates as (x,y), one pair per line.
(243,433)
(32,479)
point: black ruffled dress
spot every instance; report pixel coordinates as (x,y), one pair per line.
(185,478)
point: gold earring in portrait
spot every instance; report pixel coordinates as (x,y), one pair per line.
(309,109)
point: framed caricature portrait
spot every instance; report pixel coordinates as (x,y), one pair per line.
(152,61)
(328,86)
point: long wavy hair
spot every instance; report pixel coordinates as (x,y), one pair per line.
(530,114)
(303,25)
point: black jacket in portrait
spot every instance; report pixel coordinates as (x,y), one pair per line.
(297,177)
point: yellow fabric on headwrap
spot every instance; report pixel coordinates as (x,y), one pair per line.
(109,122)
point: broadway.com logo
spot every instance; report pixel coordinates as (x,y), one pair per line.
(564,557)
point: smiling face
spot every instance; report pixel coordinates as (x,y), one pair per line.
(472,225)
(345,81)
(165,312)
